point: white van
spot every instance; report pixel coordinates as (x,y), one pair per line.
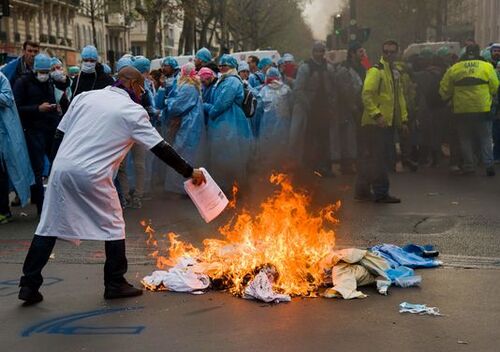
(182,60)
(242,56)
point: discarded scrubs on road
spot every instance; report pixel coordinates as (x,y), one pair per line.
(181,278)
(186,130)
(398,256)
(356,267)
(229,135)
(420,309)
(261,288)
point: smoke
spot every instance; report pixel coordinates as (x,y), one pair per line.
(318,14)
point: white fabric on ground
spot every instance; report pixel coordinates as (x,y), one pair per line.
(261,288)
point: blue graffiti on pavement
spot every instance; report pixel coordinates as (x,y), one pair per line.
(10,287)
(62,325)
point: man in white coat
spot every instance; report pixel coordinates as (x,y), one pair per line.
(81,202)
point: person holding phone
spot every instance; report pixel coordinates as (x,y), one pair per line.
(40,115)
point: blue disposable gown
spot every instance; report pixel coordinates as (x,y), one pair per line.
(257,80)
(13,148)
(275,117)
(188,139)
(229,134)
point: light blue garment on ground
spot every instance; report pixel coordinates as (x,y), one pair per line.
(13,148)
(229,134)
(189,138)
(396,256)
(275,117)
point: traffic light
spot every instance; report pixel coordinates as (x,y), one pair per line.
(337,24)
(5,9)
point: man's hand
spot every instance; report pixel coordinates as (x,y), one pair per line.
(381,121)
(45,107)
(198,178)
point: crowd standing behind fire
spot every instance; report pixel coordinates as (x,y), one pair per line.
(345,118)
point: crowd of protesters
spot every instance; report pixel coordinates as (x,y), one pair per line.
(258,116)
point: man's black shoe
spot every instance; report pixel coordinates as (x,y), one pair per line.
(490,171)
(363,198)
(121,290)
(30,295)
(388,200)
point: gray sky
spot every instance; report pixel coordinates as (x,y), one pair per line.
(318,14)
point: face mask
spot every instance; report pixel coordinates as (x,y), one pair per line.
(88,67)
(58,75)
(42,77)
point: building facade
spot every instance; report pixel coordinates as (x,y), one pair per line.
(50,22)
(167,38)
(487,24)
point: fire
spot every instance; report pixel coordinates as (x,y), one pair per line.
(284,236)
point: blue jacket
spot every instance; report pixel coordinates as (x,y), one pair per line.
(13,145)
(229,134)
(15,69)
(257,80)
(185,114)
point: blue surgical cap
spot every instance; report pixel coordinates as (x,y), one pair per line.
(273,72)
(142,64)
(55,61)
(204,55)
(42,63)
(281,61)
(243,66)
(265,61)
(228,60)
(288,57)
(107,69)
(170,61)
(123,62)
(89,52)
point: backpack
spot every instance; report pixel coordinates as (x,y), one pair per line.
(249,105)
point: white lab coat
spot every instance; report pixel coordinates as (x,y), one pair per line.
(81,202)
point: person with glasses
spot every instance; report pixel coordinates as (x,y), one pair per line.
(92,75)
(229,133)
(23,64)
(384,110)
(93,137)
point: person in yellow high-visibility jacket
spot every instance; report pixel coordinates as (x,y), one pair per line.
(470,84)
(384,109)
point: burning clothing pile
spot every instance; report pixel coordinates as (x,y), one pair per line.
(284,251)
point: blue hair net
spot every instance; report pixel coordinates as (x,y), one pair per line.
(288,57)
(42,63)
(123,62)
(170,61)
(142,64)
(89,52)
(273,72)
(265,61)
(204,55)
(107,69)
(55,61)
(243,66)
(281,61)
(228,60)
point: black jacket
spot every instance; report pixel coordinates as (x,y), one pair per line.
(85,82)
(29,93)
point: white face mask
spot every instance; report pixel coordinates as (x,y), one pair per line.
(42,77)
(58,75)
(88,67)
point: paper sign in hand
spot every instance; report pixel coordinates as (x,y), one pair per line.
(208,197)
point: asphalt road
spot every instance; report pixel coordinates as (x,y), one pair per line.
(457,214)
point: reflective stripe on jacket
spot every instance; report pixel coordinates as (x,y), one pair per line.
(470,85)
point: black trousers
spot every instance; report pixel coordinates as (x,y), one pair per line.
(373,159)
(4,189)
(41,247)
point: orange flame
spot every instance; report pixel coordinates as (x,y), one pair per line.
(284,235)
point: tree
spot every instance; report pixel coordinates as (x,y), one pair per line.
(95,10)
(151,11)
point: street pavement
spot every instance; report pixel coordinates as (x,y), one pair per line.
(457,214)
